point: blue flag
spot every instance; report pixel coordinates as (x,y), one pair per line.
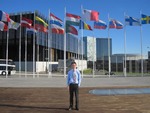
(145,19)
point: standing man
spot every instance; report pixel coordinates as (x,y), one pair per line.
(73,82)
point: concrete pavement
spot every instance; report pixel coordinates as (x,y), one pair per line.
(86,82)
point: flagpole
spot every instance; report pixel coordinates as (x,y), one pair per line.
(65,44)
(38,52)
(20,48)
(141,51)
(49,46)
(141,36)
(7,53)
(82,41)
(93,55)
(34,49)
(26,54)
(125,56)
(78,49)
(109,67)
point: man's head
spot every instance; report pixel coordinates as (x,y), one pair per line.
(73,64)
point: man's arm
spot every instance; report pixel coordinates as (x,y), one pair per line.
(79,78)
(68,79)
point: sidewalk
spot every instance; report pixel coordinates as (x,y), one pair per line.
(86,82)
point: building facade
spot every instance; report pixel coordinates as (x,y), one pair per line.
(41,42)
(90,48)
(103,46)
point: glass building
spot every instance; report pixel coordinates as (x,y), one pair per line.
(56,45)
(102,48)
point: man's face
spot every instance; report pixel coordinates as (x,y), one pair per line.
(74,66)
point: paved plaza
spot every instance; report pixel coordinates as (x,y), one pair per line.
(86,82)
(50,95)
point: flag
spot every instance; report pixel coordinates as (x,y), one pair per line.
(90,15)
(71,29)
(56,29)
(100,25)
(73,19)
(3,26)
(41,28)
(132,21)
(13,25)
(41,25)
(115,24)
(31,30)
(145,19)
(55,20)
(41,20)
(56,24)
(85,26)
(4,16)
(26,22)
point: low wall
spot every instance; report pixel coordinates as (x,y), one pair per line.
(39,66)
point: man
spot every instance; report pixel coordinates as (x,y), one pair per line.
(73,82)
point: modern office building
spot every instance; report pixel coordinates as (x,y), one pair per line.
(103,47)
(97,48)
(36,46)
(133,62)
(90,48)
(41,40)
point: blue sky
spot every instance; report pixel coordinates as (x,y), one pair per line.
(115,9)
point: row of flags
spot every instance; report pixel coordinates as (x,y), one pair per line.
(118,25)
(56,24)
(72,20)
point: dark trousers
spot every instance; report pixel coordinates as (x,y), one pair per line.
(74,90)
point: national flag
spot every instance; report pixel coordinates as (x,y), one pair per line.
(73,19)
(90,15)
(71,29)
(145,19)
(56,29)
(13,25)
(41,20)
(31,30)
(26,22)
(4,16)
(55,20)
(41,28)
(85,26)
(115,24)
(56,24)
(3,26)
(100,25)
(132,21)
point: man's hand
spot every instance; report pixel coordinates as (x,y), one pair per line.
(68,87)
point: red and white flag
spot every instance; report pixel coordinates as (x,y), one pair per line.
(26,22)
(90,15)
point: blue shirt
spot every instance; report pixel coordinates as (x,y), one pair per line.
(70,78)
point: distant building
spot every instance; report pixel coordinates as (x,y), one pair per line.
(97,48)
(133,62)
(102,48)
(148,54)
(119,58)
(90,48)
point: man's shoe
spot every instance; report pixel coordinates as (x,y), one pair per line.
(70,109)
(77,109)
